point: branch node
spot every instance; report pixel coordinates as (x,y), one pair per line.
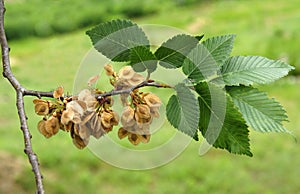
(21,89)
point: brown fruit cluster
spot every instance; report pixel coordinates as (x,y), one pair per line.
(88,117)
(83,116)
(139,111)
(137,118)
(126,78)
(49,125)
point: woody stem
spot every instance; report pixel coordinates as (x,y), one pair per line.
(129,90)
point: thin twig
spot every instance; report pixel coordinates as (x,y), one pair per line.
(38,94)
(129,90)
(20,92)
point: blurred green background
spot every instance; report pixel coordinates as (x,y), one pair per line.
(48,42)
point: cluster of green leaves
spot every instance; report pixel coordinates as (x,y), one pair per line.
(217,99)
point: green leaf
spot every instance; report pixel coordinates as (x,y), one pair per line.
(183,111)
(173,111)
(252,69)
(221,124)
(200,64)
(141,59)
(172,53)
(260,112)
(116,38)
(219,47)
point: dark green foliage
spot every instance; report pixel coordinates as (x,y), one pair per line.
(199,64)
(221,124)
(116,39)
(219,47)
(173,52)
(248,70)
(261,113)
(201,101)
(141,59)
(183,112)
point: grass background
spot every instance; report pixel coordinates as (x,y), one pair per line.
(266,28)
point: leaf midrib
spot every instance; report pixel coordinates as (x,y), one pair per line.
(173,53)
(219,45)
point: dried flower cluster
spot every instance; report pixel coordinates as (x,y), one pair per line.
(80,115)
(84,116)
(125,79)
(139,111)
(88,117)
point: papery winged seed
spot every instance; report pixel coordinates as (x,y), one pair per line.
(91,105)
(93,80)
(98,132)
(84,94)
(97,129)
(58,92)
(106,119)
(152,100)
(84,132)
(87,116)
(77,118)
(36,101)
(122,133)
(126,123)
(67,116)
(107,129)
(130,129)
(73,105)
(76,129)
(143,111)
(41,108)
(136,79)
(122,84)
(144,138)
(42,130)
(127,117)
(78,142)
(82,104)
(126,72)
(133,138)
(108,69)
(52,125)
(142,129)
(95,121)
(142,122)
